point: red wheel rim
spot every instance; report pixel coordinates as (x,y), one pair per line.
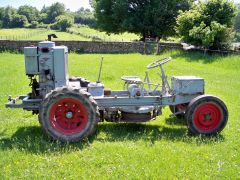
(68,116)
(207,117)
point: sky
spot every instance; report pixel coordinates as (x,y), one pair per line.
(73,5)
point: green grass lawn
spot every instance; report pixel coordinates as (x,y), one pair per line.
(37,34)
(82,33)
(159,149)
(93,34)
(17,31)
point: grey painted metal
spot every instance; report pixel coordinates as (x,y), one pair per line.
(69,115)
(100,71)
(187,85)
(96,89)
(50,64)
(137,109)
(60,66)
(106,102)
(144,101)
(26,104)
(46,44)
(31,60)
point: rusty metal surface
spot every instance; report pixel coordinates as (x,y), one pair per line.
(132,117)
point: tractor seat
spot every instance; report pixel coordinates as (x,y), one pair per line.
(132,79)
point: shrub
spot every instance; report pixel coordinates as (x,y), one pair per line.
(19,21)
(62,23)
(34,24)
(41,25)
(237,22)
(208,24)
(237,37)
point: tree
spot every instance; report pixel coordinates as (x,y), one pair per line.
(91,2)
(30,12)
(1,12)
(44,9)
(34,24)
(84,16)
(18,21)
(237,20)
(43,18)
(155,18)
(208,23)
(8,14)
(54,11)
(1,17)
(63,22)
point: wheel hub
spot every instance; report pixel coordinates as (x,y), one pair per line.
(69,115)
(207,117)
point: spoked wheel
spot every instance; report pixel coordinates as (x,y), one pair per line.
(179,108)
(68,115)
(206,115)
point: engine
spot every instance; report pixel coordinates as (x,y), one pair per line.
(135,90)
(46,66)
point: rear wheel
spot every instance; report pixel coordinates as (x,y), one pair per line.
(206,115)
(68,115)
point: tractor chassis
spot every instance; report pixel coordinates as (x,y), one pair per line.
(69,108)
(116,100)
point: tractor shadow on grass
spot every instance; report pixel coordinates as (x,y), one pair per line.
(135,132)
(32,139)
(176,121)
(175,130)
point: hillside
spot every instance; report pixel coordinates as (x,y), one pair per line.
(77,33)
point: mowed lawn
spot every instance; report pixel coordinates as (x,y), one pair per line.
(159,149)
(82,33)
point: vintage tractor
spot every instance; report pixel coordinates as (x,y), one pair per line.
(70,108)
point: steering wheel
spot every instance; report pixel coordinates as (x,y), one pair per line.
(158,62)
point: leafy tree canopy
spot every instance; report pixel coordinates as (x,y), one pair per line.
(237,19)
(19,21)
(7,16)
(30,12)
(154,18)
(63,22)
(84,16)
(208,23)
(53,11)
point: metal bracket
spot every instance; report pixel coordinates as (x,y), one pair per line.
(174,114)
(27,103)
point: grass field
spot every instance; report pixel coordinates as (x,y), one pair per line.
(160,149)
(93,34)
(82,33)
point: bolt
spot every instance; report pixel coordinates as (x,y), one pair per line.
(138,93)
(207,117)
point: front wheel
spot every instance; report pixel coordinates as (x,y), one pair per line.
(207,115)
(68,115)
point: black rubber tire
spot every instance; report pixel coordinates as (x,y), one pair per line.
(197,103)
(79,95)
